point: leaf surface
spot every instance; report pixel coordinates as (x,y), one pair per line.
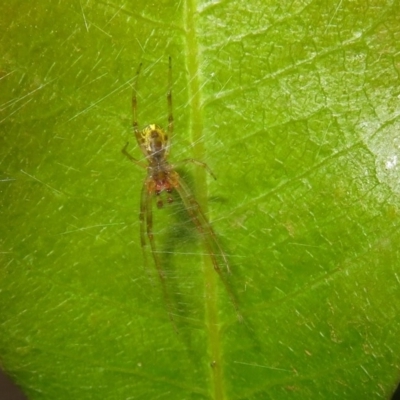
(294,106)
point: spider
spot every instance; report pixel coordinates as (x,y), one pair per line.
(162,179)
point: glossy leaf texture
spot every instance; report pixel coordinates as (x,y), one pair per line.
(294,106)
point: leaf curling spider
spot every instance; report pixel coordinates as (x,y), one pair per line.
(162,178)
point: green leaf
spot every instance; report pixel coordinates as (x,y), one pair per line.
(295,108)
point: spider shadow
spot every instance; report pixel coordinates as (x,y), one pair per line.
(181,246)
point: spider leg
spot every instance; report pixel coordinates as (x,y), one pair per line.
(142,214)
(146,212)
(125,153)
(134,100)
(197,162)
(169,100)
(209,237)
